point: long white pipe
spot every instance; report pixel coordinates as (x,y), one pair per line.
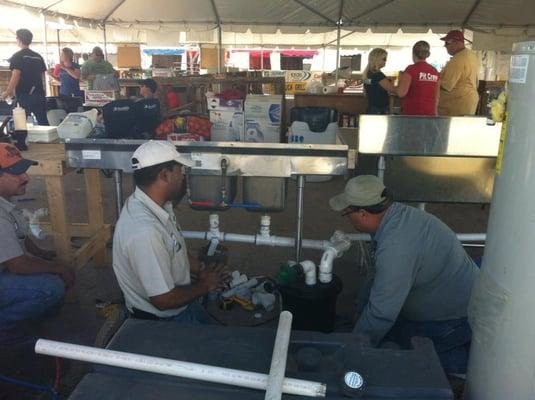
(278,359)
(463,237)
(281,241)
(227,376)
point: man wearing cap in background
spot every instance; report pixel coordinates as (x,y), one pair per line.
(27,75)
(96,65)
(150,258)
(30,284)
(423,277)
(458,79)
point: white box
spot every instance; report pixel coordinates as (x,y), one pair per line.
(261,131)
(227,126)
(43,134)
(264,108)
(217,103)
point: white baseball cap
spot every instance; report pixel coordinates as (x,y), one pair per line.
(361,191)
(156,152)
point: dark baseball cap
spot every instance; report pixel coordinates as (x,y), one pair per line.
(11,160)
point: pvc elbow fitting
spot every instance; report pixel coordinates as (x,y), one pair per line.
(309,268)
(326,265)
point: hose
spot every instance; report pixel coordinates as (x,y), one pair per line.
(32,386)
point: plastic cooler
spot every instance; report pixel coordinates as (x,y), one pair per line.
(313,125)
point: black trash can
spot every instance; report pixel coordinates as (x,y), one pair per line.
(313,307)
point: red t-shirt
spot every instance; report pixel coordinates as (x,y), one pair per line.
(420,99)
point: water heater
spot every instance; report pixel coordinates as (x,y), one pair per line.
(502,307)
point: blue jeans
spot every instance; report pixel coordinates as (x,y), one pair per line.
(194,313)
(451,339)
(34,103)
(26,297)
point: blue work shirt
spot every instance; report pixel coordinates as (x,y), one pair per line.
(69,86)
(422,272)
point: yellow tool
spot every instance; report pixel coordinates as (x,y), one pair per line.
(227,303)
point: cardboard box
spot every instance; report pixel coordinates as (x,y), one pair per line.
(264,108)
(99,97)
(261,130)
(129,57)
(209,58)
(227,126)
(217,103)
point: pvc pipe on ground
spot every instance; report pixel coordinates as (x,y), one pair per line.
(278,359)
(227,376)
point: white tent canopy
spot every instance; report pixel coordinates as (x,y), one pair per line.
(317,15)
(495,23)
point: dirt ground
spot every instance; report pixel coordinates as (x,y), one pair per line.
(80,320)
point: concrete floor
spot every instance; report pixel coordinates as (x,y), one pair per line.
(80,321)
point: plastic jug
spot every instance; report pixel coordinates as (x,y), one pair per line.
(19,116)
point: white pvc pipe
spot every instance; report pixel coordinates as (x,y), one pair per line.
(278,359)
(326,265)
(227,376)
(259,240)
(281,241)
(265,222)
(463,237)
(309,268)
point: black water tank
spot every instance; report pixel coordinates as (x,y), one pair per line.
(313,307)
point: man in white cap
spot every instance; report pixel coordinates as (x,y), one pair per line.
(423,277)
(150,258)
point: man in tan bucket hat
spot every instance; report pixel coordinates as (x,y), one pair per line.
(422,276)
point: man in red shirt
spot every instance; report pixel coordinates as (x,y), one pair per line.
(418,84)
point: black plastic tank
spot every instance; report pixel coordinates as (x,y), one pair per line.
(313,307)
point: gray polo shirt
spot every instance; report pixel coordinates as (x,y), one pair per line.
(13,232)
(149,253)
(422,272)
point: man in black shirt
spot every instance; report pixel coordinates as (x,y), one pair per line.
(27,74)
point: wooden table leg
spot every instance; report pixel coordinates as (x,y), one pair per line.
(95,211)
(57,209)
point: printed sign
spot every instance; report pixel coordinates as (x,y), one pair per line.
(519,68)
(91,154)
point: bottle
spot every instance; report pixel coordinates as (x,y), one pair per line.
(19,116)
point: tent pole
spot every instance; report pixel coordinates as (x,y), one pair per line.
(59,43)
(219,48)
(339,28)
(105,41)
(338,31)
(45,40)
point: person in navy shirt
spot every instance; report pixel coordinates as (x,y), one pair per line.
(27,75)
(376,84)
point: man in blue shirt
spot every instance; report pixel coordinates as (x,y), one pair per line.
(423,277)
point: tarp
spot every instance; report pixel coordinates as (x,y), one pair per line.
(163,52)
